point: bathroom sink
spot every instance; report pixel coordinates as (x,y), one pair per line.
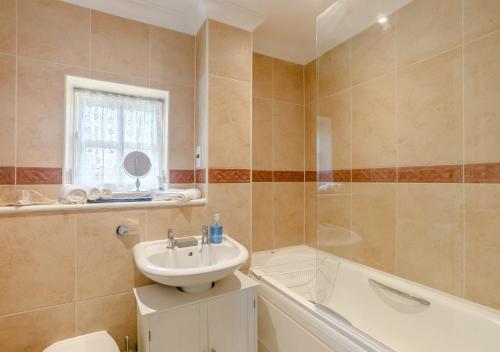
(193,269)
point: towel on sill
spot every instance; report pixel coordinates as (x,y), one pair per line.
(93,193)
(72,194)
(24,197)
(178,194)
(106,193)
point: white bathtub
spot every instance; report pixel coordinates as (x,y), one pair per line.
(360,309)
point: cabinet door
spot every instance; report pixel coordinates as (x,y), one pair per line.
(179,330)
(231,323)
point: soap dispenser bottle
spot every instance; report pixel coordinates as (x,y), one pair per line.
(216,230)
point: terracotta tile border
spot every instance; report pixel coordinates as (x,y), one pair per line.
(288,176)
(431,174)
(262,176)
(228,175)
(7,175)
(38,176)
(342,175)
(374,175)
(181,176)
(200,175)
(482,173)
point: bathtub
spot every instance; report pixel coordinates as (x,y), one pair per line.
(312,301)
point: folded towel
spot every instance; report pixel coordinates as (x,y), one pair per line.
(93,193)
(178,194)
(23,197)
(106,193)
(71,194)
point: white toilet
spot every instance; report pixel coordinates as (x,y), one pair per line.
(95,342)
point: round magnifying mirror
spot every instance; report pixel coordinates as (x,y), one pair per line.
(137,164)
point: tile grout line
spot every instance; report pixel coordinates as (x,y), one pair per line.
(16,96)
(396,93)
(463,186)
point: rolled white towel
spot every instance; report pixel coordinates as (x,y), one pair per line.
(106,193)
(178,194)
(72,194)
(93,193)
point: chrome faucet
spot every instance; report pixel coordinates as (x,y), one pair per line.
(170,239)
(205,238)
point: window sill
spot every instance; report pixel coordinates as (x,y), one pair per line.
(100,206)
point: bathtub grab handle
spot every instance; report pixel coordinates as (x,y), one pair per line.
(400,293)
(331,312)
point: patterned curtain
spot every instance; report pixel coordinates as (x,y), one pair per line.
(109,126)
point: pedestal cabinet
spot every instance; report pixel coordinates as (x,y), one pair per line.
(222,319)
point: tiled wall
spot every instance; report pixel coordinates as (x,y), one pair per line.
(415,111)
(278,154)
(63,274)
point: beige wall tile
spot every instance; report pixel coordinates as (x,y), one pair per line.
(430,111)
(374,221)
(40,124)
(288,136)
(334,233)
(229,123)
(35,330)
(7,109)
(262,134)
(374,119)
(230,51)
(37,260)
(119,45)
(262,216)
(262,76)
(310,85)
(335,113)
(430,235)
(482,100)
(373,51)
(310,213)
(288,82)
(49,191)
(117,78)
(105,261)
(116,314)
(426,28)
(172,56)
(185,221)
(8,26)
(482,221)
(181,125)
(201,52)
(54,31)
(288,214)
(310,136)
(233,203)
(334,70)
(480,17)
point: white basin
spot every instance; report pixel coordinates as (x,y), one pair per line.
(189,268)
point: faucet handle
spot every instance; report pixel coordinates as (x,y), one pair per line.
(170,234)
(205,238)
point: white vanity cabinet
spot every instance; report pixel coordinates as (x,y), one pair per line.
(222,319)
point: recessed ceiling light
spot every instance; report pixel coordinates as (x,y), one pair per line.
(382,19)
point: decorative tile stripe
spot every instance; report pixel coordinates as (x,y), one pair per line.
(374,175)
(228,175)
(431,174)
(288,176)
(311,176)
(262,176)
(324,176)
(200,176)
(181,176)
(7,175)
(482,173)
(38,176)
(342,175)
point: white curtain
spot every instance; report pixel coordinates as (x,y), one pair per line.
(109,126)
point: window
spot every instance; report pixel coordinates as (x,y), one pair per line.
(105,122)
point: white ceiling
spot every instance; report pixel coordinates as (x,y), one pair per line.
(282,28)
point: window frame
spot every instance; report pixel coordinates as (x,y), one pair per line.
(71,134)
